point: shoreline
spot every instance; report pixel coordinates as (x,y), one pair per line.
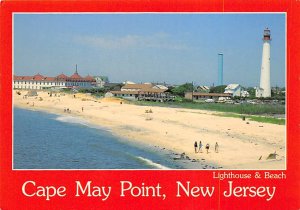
(170,129)
(181,163)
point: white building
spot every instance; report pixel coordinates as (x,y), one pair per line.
(259,92)
(128,82)
(39,82)
(234,90)
(100,81)
(245,93)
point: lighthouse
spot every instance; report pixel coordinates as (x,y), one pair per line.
(264,89)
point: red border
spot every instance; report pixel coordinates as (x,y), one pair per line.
(287,192)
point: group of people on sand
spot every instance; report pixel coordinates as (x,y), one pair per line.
(55,94)
(67,110)
(199,148)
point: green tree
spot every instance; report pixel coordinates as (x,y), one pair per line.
(218,89)
(251,92)
(182,89)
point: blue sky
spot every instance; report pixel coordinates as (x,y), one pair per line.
(172,48)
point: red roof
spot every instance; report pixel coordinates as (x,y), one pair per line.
(49,79)
(62,76)
(38,77)
(18,77)
(76,76)
(89,78)
(28,78)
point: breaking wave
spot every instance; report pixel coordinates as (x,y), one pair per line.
(70,119)
(151,163)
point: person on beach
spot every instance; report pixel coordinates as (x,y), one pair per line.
(82,109)
(196,146)
(207,148)
(216,147)
(200,146)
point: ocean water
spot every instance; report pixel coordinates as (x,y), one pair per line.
(49,141)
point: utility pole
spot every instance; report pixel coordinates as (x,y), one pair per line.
(192,91)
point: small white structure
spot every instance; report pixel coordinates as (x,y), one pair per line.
(259,92)
(265,86)
(100,81)
(128,82)
(234,90)
(245,93)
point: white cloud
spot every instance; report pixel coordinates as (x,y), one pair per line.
(158,40)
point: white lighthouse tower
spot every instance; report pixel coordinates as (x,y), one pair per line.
(264,89)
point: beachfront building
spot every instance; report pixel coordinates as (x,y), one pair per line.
(234,90)
(36,82)
(77,81)
(40,82)
(146,92)
(198,96)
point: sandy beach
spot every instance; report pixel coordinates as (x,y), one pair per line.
(242,144)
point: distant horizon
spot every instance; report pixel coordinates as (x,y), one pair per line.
(173,48)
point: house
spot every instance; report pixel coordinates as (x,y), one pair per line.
(245,93)
(234,90)
(101,81)
(147,92)
(259,92)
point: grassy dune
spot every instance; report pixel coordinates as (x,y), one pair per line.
(251,111)
(256,118)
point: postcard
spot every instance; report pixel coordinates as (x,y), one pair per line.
(149,105)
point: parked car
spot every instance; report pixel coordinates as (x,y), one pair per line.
(209,100)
